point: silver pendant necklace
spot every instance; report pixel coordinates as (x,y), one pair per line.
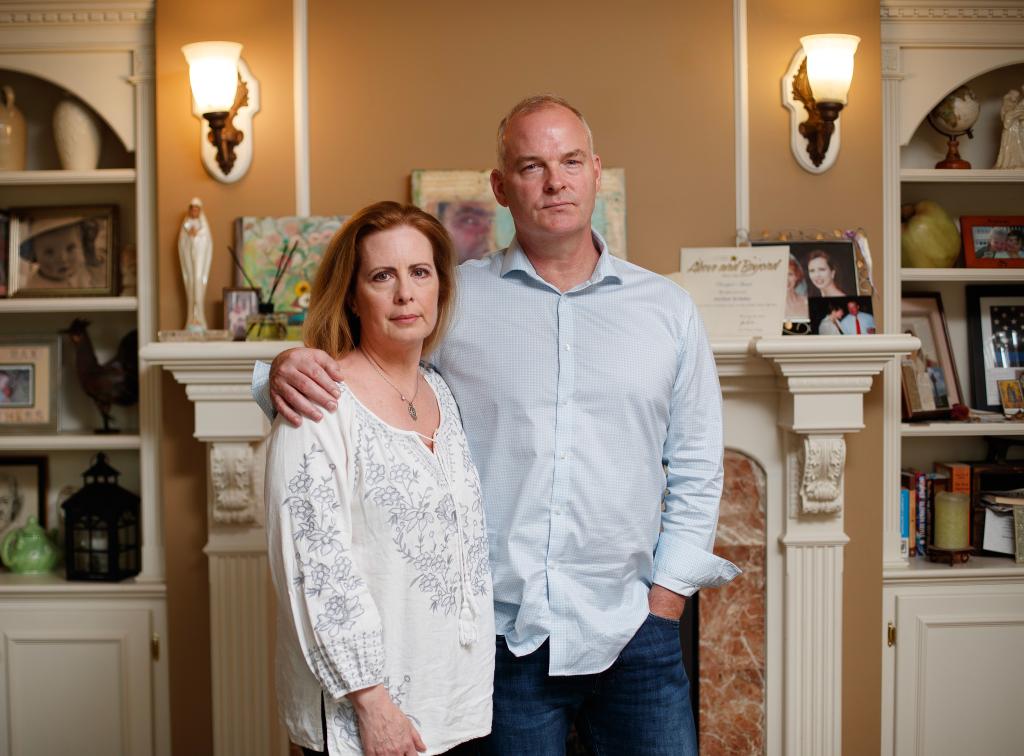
(408,402)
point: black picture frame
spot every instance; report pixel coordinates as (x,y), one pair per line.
(30,477)
(993,358)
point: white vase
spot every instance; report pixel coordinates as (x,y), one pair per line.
(77,136)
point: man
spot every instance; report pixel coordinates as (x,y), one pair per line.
(578,375)
(856,322)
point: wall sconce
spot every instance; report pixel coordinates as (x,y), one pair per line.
(225,97)
(814,90)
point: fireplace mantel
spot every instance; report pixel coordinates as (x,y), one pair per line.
(809,387)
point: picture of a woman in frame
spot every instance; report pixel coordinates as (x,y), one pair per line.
(796,292)
(822,272)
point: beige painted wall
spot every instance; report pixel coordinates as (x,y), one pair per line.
(264,28)
(783,195)
(408,85)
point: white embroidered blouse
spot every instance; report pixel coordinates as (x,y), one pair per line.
(378,554)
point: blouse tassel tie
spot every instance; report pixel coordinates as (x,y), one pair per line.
(467,607)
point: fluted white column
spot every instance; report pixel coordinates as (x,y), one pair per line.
(822,384)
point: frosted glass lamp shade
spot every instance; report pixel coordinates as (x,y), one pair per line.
(213,73)
(830,65)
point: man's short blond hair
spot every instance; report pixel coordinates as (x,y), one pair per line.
(532,105)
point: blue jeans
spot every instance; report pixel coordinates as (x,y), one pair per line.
(640,706)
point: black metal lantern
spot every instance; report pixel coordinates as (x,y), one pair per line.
(102,540)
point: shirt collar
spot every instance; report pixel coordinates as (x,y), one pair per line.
(515,258)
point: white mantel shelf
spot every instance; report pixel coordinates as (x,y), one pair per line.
(811,387)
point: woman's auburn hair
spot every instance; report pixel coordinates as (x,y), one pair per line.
(331,323)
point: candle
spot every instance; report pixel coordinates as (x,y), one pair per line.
(952,521)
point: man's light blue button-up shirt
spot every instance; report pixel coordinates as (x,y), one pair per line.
(576,404)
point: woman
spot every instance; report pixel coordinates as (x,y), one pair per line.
(376,533)
(822,273)
(796,292)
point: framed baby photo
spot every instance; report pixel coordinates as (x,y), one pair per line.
(993,241)
(239,304)
(22,492)
(995,340)
(28,384)
(931,385)
(62,251)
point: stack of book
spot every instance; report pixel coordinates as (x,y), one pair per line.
(996,493)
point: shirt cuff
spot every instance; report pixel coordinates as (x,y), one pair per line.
(261,388)
(684,568)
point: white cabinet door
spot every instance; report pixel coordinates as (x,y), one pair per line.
(959,669)
(75,682)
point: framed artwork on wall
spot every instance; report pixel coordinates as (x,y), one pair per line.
(995,339)
(465,205)
(931,385)
(62,252)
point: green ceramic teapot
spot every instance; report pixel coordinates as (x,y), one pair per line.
(28,551)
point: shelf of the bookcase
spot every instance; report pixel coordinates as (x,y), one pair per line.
(975,568)
(954,428)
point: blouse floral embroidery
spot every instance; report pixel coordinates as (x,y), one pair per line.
(378,554)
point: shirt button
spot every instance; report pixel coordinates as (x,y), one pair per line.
(563,456)
(568,348)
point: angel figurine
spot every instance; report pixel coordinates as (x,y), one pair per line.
(1011,146)
(195,253)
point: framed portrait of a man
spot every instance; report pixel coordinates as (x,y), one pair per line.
(465,205)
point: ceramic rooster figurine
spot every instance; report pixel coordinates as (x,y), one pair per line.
(116,381)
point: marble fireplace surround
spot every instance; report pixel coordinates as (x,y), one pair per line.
(788,404)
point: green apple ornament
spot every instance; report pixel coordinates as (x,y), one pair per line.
(930,239)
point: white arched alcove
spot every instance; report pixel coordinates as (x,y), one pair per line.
(935,72)
(90,83)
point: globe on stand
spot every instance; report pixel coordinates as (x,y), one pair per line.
(954,117)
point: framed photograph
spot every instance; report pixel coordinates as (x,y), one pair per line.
(22,492)
(995,340)
(931,385)
(260,242)
(62,251)
(465,205)
(842,316)
(239,304)
(820,269)
(28,384)
(1011,396)
(993,241)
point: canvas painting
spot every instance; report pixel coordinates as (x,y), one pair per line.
(260,243)
(465,205)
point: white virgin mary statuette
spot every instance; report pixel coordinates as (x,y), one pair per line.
(1011,145)
(195,253)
